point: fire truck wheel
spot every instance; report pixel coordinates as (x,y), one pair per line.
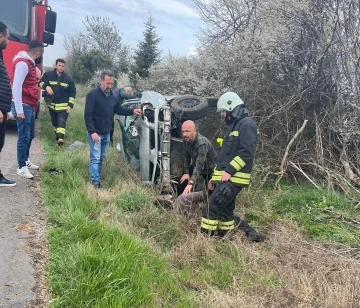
(191,107)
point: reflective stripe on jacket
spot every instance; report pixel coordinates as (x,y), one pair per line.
(63,87)
(237,154)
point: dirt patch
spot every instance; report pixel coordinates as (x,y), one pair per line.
(23,231)
(39,254)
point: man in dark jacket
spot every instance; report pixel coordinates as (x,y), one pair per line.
(5,96)
(233,169)
(59,95)
(100,107)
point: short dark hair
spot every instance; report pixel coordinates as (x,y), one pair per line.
(60,61)
(35,45)
(3,28)
(106,73)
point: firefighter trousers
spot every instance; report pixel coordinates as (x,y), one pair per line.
(219,216)
(58,120)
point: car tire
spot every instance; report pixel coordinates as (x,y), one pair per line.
(190,107)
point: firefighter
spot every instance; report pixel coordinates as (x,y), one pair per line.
(233,169)
(59,95)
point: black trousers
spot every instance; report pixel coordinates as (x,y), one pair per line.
(3,130)
(220,216)
(112,130)
(58,120)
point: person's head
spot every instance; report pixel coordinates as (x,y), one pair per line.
(60,65)
(227,103)
(106,81)
(188,131)
(36,51)
(4,36)
(128,90)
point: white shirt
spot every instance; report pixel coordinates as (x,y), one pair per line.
(21,71)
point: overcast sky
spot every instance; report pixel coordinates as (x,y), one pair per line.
(175,22)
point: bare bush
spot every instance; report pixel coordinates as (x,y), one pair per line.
(291,61)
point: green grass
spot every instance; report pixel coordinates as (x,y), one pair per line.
(92,263)
(323,214)
(114,248)
(98,266)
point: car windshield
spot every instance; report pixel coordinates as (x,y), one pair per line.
(155,99)
(15,15)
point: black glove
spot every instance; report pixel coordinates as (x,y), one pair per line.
(138,94)
(223,193)
(47,97)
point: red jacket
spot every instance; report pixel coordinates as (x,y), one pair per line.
(30,87)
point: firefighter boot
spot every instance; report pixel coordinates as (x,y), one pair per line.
(250,233)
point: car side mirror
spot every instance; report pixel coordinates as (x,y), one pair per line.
(50,21)
(48,38)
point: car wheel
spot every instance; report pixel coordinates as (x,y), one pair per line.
(190,107)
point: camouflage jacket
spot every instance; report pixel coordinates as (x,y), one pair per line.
(200,155)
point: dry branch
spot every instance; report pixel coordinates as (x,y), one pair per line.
(282,169)
(302,171)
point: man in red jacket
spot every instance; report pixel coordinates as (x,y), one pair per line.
(25,97)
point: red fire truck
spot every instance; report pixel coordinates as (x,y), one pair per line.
(26,20)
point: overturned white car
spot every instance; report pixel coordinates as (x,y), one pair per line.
(152,142)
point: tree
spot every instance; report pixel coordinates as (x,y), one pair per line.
(75,45)
(102,35)
(147,52)
(88,64)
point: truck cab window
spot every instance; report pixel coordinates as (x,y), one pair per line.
(15,14)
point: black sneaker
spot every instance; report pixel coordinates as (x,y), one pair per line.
(97,185)
(6,183)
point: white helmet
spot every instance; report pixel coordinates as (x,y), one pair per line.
(228,101)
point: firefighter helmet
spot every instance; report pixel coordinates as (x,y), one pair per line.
(228,101)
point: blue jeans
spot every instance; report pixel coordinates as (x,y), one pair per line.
(26,132)
(97,156)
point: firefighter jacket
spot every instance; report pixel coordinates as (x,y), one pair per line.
(237,154)
(201,155)
(5,87)
(63,87)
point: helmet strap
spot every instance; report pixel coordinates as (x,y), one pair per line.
(229,118)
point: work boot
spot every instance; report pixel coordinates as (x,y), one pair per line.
(250,232)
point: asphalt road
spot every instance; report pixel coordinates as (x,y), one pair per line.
(22,231)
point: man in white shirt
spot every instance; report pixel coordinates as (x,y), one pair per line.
(26,91)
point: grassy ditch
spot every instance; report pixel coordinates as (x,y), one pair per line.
(114,248)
